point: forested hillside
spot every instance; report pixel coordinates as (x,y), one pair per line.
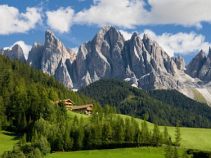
(27,94)
(29,110)
(170,109)
(175,98)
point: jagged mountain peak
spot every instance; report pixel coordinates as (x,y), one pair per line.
(52,40)
(201,54)
(180,62)
(148,39)
(209,53)
(199,67)
(17,48)
(134,35)
(108,33)
(146,36)
(108,28)
(201,51)
(14,52)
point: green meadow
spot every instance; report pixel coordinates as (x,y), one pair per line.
(114,153)
(6,141)
(192,138)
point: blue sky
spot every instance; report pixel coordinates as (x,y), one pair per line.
(180,27)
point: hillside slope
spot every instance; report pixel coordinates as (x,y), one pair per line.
(136,102)
(27,94)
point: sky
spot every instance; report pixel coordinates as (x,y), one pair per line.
(181,27)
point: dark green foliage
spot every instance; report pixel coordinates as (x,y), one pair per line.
(199,154)
(145,134)
(161,107)
(198,113)
(177,136)
(27,94)
(156,136)
(170,150)
(107,133)
(13,154)
(165,136)
(26,150)
(28,108)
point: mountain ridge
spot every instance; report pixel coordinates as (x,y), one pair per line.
(140,61)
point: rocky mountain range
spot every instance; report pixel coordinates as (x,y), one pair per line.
(139,60)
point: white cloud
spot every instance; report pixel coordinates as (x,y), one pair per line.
(124,13)
(25,47)
(179,43)
(131,13)
(60,20)
(182,12)
(12,21)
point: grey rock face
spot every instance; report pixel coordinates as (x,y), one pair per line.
(35,56)
(150,64)
(142,62)
(180,62)
(51,58)
(53,52)
(200,66)
(101,57)
(62,75)
(15,52)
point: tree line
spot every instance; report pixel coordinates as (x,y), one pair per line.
(103,130)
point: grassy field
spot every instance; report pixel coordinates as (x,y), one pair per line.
(115,153)
(192,138)
(6,141)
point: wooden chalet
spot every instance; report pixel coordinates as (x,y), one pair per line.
(70,105)
(86,109)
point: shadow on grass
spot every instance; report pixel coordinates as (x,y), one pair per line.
(15,136)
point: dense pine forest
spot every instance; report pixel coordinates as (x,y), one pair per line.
(161,107)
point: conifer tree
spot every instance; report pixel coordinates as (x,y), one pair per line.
(168,149)
(165,135)
(145,135)
(119,131)
(107,133)
(156,137)
(177,136)
(175,152)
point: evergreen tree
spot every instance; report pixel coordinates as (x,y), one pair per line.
(2,113)
(119,131)
(128,131)
(145,135)
(156,136)
(175,152)
(68,141)
(107,133)
(168,150)
(165,135)
(177,136)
